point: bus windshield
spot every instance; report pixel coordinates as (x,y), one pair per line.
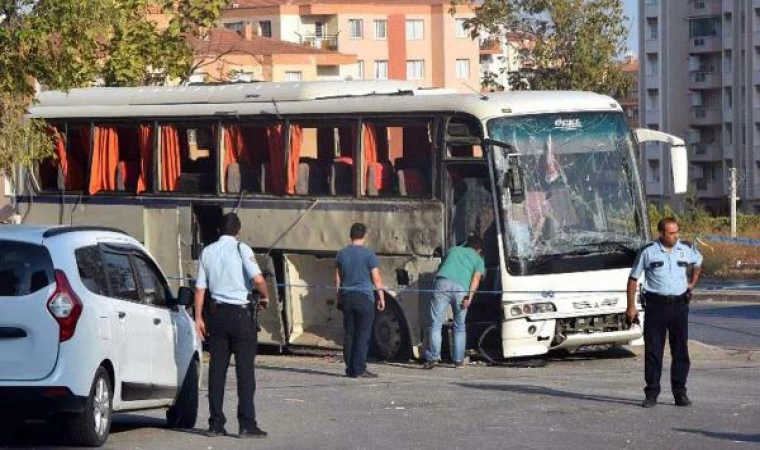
(581,206)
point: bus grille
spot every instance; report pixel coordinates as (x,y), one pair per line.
(592,324)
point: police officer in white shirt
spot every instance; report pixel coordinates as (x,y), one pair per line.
(229,271)
(666,294)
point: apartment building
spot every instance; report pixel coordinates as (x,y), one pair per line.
(414,40)
(501,57)
(226,55)
(630,101)
(699,78)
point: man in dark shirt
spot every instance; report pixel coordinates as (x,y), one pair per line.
(356,271)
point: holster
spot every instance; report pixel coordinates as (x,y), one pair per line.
(253,297)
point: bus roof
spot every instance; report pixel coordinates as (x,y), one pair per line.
(304,98)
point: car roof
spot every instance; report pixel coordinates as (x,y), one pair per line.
(38,233)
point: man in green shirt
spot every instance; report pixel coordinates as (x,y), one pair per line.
(455,285)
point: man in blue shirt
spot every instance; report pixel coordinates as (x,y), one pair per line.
(357,279)
(228,270)
(665,296)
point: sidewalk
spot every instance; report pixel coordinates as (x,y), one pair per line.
(724,295)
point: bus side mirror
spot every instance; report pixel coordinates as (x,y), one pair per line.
(185,296)
(678,159)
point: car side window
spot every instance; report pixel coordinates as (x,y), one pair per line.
(121,277)
(91,269)
(153,287)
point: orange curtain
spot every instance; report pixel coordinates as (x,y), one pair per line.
(235,150)
(105,158)
(369,137)
(170,158)
(294,158)
(276,157)
(145,146)
(60,154)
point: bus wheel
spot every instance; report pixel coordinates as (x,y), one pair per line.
(390,338)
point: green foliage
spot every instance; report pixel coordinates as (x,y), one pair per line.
(63,44)
(571,44)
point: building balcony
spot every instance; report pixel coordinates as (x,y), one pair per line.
(651,82)
(323,42)
(652,150)
(705,80)
(705,152)
(705,44)
(728,6)
(728,152)
(651,9)
(651,46)
(490,46)
(654,187)
(697,8)
(701,115)
(707,188)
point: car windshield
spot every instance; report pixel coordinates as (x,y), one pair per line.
(581,194)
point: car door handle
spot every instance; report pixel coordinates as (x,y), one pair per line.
(156,321)
(122,314)
(12,333)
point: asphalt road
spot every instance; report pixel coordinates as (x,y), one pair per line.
(726,325)
(584,402)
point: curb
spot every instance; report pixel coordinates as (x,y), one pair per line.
(727,296)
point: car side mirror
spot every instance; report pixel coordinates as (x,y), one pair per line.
(513,179)
(185,296)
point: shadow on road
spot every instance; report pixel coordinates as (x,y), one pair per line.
(736,437)
(300,370)
(549,392)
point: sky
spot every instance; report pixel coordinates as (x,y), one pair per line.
(631,11)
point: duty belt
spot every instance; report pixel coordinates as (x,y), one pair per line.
(232,305)
(668,299)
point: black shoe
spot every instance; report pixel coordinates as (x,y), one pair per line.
(682,400)
(428,365)
(366,374)
(215,432)
(253,433)
(649,402)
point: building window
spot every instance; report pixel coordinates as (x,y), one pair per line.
(653,99)
(319,29)
(461,31)
(415,29)
(381,70)
(729,133)
(653,171)
(729,98)
(355,28)
(415,69)
(463,68)
(265,28)
(652,64)
(652,28)
(709,26)
(293,76)
(237,27)
(360,69)
(381,29)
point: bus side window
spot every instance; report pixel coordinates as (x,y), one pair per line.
(245,163)
(188,158)
(66,170)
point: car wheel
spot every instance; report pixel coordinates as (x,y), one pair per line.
(184,412)
(390,339)
(90,428)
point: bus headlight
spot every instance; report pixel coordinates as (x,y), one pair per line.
(532,308)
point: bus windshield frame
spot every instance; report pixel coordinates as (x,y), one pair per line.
(581,205)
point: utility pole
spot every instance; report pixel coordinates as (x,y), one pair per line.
(734,198)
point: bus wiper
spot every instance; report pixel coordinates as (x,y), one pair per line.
(614,245)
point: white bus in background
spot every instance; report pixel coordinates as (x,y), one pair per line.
(550,180)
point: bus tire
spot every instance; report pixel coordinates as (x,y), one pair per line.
(390,335)
(184,412)
(90,428)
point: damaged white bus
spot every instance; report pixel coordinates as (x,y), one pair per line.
(549,179)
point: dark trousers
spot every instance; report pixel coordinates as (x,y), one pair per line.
(671,319)
(232,331)
(358,315)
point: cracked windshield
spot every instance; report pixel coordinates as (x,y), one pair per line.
(580,202)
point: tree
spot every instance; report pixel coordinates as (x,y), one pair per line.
(62,44)
(566,44)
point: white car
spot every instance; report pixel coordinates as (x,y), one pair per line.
(88,326)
